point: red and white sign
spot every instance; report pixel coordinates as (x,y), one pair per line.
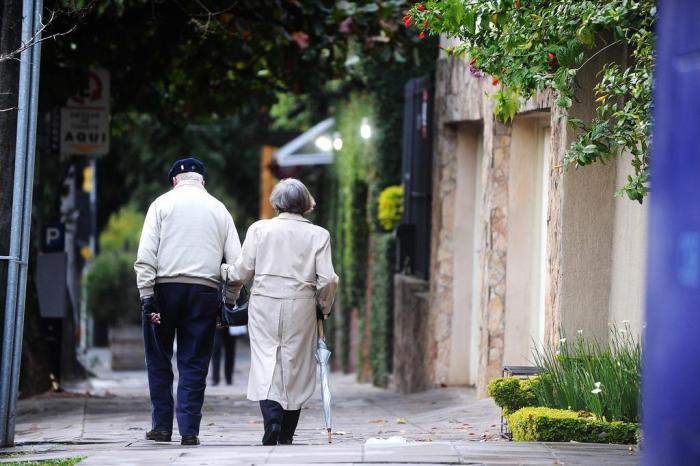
(85,118)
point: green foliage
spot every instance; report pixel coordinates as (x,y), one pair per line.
(511,393)
(110,287)
(381,307)
(557,425)
(529,46)
(584,375)
(123,231)
(390,207)
(50,462)
(212,58)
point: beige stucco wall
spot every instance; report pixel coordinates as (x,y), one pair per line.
(628,256)
(524,274)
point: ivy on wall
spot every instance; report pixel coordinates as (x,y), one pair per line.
(530,45)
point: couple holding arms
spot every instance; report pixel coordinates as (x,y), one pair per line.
(189,246)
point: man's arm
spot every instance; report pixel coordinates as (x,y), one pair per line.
(147,256)
(232,249)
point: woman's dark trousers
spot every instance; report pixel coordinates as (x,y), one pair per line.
(188,312)
(280,424)
(223,339)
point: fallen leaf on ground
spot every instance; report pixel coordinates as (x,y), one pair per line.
(401,420)
(377,421)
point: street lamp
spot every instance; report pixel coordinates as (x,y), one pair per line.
(324,143)
(337,141)
(365,129)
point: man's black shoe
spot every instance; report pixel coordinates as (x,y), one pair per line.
(158,436)
(189,440)
(285,441)
(272,434)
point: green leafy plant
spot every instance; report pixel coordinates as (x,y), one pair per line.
(585,375)
(529,46)
(390,207)
(538,424)
(110,287)
(123,231)
(382,304)
(511,393)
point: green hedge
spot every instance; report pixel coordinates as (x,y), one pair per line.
(382,307)
(538,424)
(511,393)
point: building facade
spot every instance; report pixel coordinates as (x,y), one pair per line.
(522,248)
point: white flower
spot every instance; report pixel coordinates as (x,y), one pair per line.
(597,384)
(596,391)
(580,332)
(562,340)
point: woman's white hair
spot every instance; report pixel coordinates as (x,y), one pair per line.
(291,195)
(189,176)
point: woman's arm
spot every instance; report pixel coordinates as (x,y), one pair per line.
(242,270)
(326,279)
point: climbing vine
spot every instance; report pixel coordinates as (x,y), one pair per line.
(527,46)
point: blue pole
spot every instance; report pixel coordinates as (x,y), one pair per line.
(671,376)
(21,214)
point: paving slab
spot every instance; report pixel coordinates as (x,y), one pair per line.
(106,418)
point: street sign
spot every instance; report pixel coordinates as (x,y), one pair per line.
(53,237)
(85,118)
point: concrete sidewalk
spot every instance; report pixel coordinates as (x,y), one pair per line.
(444,426)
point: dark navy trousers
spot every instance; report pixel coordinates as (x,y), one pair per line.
(188,312)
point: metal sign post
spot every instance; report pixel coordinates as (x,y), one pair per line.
(23,184)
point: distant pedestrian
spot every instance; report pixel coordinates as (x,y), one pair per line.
(186,236)
(224,342)
(288,260)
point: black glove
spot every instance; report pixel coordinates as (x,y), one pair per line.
(148,306)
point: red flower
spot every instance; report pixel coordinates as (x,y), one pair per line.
(495,81)
(421,36)
(420,8)
(551,56)
(406,18)
(517,3)
(407,23)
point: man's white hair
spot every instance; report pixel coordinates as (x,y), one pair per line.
(189,176)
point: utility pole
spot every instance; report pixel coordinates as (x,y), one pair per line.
(22,190)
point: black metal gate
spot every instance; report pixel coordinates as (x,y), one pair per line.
(413,255)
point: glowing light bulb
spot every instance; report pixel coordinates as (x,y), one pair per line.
(365,129)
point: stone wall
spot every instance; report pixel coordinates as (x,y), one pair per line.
(412,336)
(585,255)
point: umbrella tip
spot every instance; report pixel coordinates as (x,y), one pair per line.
(330,436)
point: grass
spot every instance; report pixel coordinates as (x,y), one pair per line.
(583,375)
(50,462)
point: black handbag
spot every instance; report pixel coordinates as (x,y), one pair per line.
(233,316)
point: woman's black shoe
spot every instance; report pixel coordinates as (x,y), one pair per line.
(158,436)
(189,440)
(272,434)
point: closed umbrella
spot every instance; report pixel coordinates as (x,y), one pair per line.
(322,356)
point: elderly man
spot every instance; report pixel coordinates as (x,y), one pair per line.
(186,236)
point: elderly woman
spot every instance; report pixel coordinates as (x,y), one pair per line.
(288,259)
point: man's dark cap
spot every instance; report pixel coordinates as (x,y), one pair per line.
(190,164)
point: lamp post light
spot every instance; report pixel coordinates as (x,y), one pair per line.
(365,129)
(324,143)
(337,141)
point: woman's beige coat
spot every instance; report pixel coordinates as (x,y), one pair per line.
(288,259)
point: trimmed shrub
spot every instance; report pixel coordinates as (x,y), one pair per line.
(538,424)
(511,393)
(390,207)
